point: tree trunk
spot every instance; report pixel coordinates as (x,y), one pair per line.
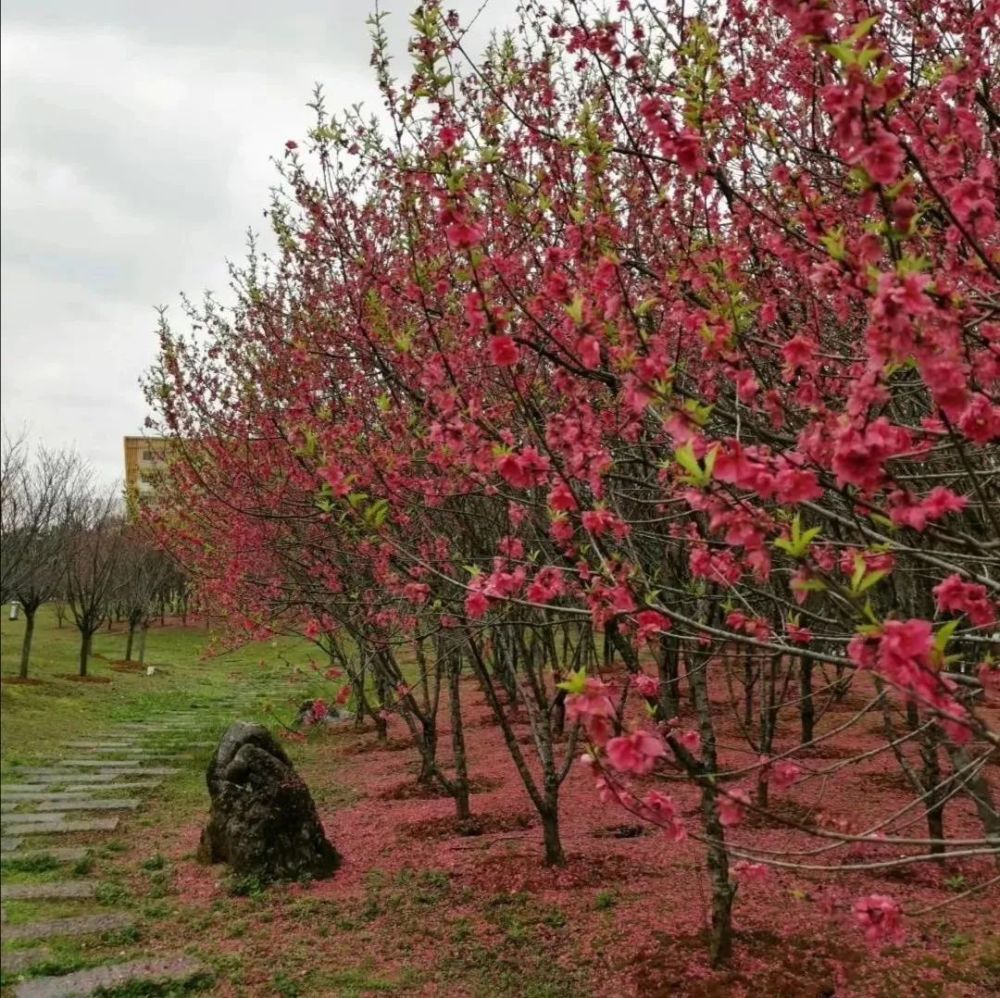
(977,787)
(129,641)
(29,632)
(554,855)
(463,810)
(85,641)
(936,791)
(807,709)
(670,700)
(720,945)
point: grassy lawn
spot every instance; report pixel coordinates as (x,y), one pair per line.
(39,716)
(262,681)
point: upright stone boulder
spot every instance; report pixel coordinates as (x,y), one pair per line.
(263,821)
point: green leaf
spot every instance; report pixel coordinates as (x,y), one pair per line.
(944,634)
(871,579)
(575,683)
(575,308)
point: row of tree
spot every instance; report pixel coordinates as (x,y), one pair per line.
(66,540)
(647,369)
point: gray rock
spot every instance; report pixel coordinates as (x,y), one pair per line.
(19,960)
(20,796)
(263,821)
(114,787)
(170,970)
(52,891)
(62,854)
(108,804)
(61,827)
(78,925)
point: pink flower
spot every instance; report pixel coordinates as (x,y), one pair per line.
(524,470)
(883,159)
(880,918)
(636,753)
(661,810)
(783,774)
(504,351)
(858,455)
(463,235)
(600,521)
(908,511)
(318,712)
(476,605)
(798,352)
(970,598)
(449,135)
(561,498)
(733,806)
(647,686)
(751,872)
(651,622)
(594,701)
(589,350)
(981,421)
(689,740)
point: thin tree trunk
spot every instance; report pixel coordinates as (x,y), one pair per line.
(807,708)
(717,859)
(85,642)
(554,855)
(129,641)
(463,810)
(29,633)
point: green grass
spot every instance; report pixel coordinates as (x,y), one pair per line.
(37,718)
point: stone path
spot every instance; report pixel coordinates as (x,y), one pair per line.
(77,925)
(66,796)
(57,890)
(21,959)
(86,982)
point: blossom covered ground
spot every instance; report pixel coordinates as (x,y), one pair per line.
(421,908)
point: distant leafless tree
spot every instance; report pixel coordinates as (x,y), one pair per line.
(144,572)
(13,463)
(45,489)
(95,547)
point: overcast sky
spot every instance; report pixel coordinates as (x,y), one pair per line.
(137,145)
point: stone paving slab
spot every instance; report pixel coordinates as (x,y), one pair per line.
(113,770)
(162,970)
(108,804)
(8,843)
(64,827)
(9,804)
(62,854)
(112,745)
(33,818)
(53,891)
(99,782)
(19,787)
(25,796)
(77,925)
(19,960)
(50,775)
(109,787)
(108,764)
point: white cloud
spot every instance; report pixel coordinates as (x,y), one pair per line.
(136,151)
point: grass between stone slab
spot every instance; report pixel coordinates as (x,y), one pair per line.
(37,719)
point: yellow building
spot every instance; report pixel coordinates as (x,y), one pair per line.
(145,458)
